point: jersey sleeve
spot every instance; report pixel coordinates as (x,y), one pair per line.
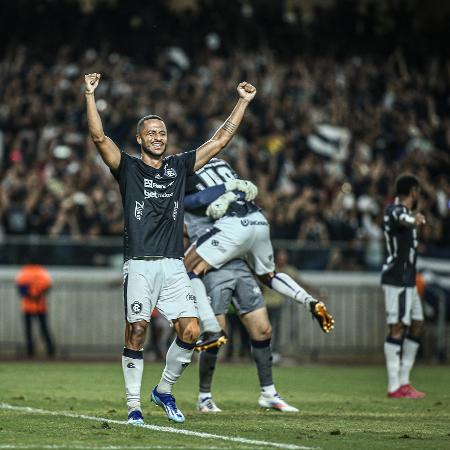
(188,159)
(119,173)
(402,217)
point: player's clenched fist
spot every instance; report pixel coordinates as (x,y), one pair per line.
(91,81)
(246,91)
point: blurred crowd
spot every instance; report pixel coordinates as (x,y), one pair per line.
(324,140)
(326,136)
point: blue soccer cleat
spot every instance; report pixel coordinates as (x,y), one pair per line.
(135,418)
(167,401)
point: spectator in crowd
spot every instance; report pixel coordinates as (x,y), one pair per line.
(34,282)
(325,139)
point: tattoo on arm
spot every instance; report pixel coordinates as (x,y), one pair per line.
(229,127)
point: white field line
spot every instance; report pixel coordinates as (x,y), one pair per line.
(27,409)
(100,447)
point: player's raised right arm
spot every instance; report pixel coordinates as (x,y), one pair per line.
(109,151)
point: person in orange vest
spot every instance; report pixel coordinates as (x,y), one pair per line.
(33,282)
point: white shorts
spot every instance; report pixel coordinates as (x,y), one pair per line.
(239,237)
(402,304)
(157,282)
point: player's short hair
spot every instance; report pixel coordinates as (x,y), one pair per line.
(140,124)
(405,183)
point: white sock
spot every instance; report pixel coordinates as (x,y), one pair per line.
(286,286)
(206,314)
(409,353)
(203,395)
(177,359)
(133,368)
(392,349)
(270,390)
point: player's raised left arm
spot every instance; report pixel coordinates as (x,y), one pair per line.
(228,129)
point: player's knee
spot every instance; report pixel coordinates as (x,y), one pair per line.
(136,336)
(191,332)
(265,332)
(417,328)
(266,278)
(397,331)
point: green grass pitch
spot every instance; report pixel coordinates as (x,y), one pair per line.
(341,408)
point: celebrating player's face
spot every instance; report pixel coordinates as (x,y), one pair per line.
(153,137)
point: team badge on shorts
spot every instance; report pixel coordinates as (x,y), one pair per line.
(191,298)
(136,307)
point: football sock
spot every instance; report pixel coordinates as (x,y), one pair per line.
(133,367)
(206,314)
(392,350)
(262,353)
(409,352)
(285,285)
(270,390)
(204,395)
(177,359)
(207,366)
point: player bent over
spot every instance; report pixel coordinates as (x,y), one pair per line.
(403,307)
(153,189)
(235,282)
(240,231)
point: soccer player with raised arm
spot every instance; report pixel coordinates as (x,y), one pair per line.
(404,311)
(152,189)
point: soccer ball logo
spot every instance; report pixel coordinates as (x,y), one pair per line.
(136,307)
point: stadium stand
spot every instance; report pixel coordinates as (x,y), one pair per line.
(330,130)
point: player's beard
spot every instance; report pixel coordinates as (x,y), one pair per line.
(148,151)
(415,204)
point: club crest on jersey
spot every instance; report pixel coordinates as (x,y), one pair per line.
(169,172)
(136,307)
(138,210)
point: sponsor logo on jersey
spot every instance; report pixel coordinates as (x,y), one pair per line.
(138,209)
(149,183)
(154,194)
(246,222)
(136,307)
(175,210)
(169,172)
(215,243)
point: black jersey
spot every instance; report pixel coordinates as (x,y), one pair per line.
(153,204)
(401,240)
(214,173)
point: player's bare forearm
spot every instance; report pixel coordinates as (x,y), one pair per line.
(228,129)
(93,117)
(109,152)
